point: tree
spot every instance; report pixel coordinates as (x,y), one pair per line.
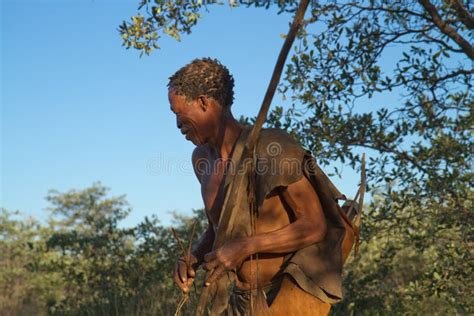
(24,288)
(108,270)
(415,56)
(415,262)
(81,264)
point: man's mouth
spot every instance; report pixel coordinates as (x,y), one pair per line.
(185,131)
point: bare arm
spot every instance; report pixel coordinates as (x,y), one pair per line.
(308,228)
(205,245)
(199,159)
(185,270)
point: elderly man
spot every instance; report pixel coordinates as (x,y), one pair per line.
(288,252)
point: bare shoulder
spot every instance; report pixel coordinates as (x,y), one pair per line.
(200,158)
(201,151)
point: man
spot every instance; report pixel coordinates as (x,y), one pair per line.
(291,244)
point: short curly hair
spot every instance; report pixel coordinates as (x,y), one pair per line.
(205,76)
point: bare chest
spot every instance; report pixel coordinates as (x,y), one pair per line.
(273,213)
(212,190)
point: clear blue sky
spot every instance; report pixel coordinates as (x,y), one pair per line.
(78,108)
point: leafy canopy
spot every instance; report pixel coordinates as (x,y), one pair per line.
(416,53)
(392,78)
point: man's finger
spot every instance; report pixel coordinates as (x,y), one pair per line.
(215,275)
(184,287)
(182,270)
(210,256)
(210,265)
(191,259)
(188,284)
(191,272)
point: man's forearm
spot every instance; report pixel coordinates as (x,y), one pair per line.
(292,237)
(205,245)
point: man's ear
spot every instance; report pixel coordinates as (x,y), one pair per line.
(203,102)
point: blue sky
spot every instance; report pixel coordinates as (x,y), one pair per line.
(78,108)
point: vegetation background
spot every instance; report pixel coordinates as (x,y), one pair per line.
(417,241)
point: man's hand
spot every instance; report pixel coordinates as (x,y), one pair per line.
(183,274)
(227,258)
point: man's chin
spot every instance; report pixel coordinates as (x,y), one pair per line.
(196,142)
(193,140)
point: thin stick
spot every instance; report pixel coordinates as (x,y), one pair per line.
(187,256)
(182,301)
(190,243)
(180,243)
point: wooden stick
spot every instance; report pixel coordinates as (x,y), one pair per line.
(180,244)
(362,191)
(186,255)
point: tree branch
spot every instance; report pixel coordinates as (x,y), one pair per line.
(401,155)
(455,74)
(442,43)
(447,29)
(464,15)
(390,10)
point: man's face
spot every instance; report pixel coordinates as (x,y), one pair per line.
(192,120)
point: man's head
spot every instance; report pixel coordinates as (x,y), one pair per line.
(204,76)
(200,94)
